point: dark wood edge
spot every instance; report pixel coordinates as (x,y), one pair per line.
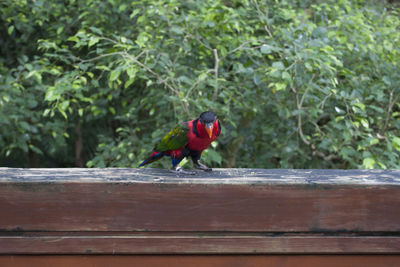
(199,244)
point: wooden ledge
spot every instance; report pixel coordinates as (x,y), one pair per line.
(218,176)
(153,211)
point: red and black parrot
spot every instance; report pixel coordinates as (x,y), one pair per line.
(187,139)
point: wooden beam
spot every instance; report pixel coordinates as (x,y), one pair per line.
(217,176)
(248,211)
(64,243)
(200,260)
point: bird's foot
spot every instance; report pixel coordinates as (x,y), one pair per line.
(179,170)
(202,167)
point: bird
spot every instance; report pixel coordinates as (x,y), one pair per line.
(187,139)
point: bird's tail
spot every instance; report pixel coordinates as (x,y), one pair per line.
(153,157)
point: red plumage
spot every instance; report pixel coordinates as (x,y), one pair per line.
(200,142)
(203,141)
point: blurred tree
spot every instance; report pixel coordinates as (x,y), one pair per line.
(297,84)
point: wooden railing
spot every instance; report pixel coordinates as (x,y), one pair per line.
(242,216)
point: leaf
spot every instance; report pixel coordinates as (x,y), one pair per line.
(308,66)
(266,49)
(63,113)
(25,125)
(96,30)
(286,76)
(60,30)
(374,141)
(10,29)
(387,80)
(368,163)
(280,86)
(319,32)
(396,143)
(131,72)
(46,112)
(35,149)
(115,74)
(93,40)
(364,123)
(387,45)
(360,106)
(73,39)
(185,79)
(339,110)
(278,65)
(50,95)
(214,156)
(134,13)
(129,82)
(64,105)
(177,30)
(256,79)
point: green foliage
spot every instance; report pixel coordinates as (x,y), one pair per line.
(296,85)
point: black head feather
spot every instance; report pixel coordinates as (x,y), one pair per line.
(207,117)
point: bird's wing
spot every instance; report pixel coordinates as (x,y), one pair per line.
(175,139)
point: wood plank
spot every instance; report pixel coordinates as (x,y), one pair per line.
(199,244)
(228,211)
(203,261)
(217,176)
(82,206)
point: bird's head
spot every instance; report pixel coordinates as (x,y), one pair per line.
(207,119)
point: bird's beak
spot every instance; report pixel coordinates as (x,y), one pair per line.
(209,129)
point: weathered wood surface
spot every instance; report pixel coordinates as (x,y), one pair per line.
(64,243)
(225,200)
(218,176)
(202,261)
(151,211)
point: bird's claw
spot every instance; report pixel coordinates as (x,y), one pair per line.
(202,167)
(179,170)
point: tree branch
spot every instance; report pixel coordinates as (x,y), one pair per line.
(260,14)
(98,57)
(215,51)
(299,103)
(158,77)
(392,101)
(197,83)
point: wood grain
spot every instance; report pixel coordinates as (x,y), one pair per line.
(240,211)
(82,206)
(202,261)
(199,244)
(217,176)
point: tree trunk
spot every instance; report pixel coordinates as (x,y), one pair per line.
(78,146)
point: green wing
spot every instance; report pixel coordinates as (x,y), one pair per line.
(175,139)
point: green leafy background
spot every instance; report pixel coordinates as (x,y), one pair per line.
(296,84)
